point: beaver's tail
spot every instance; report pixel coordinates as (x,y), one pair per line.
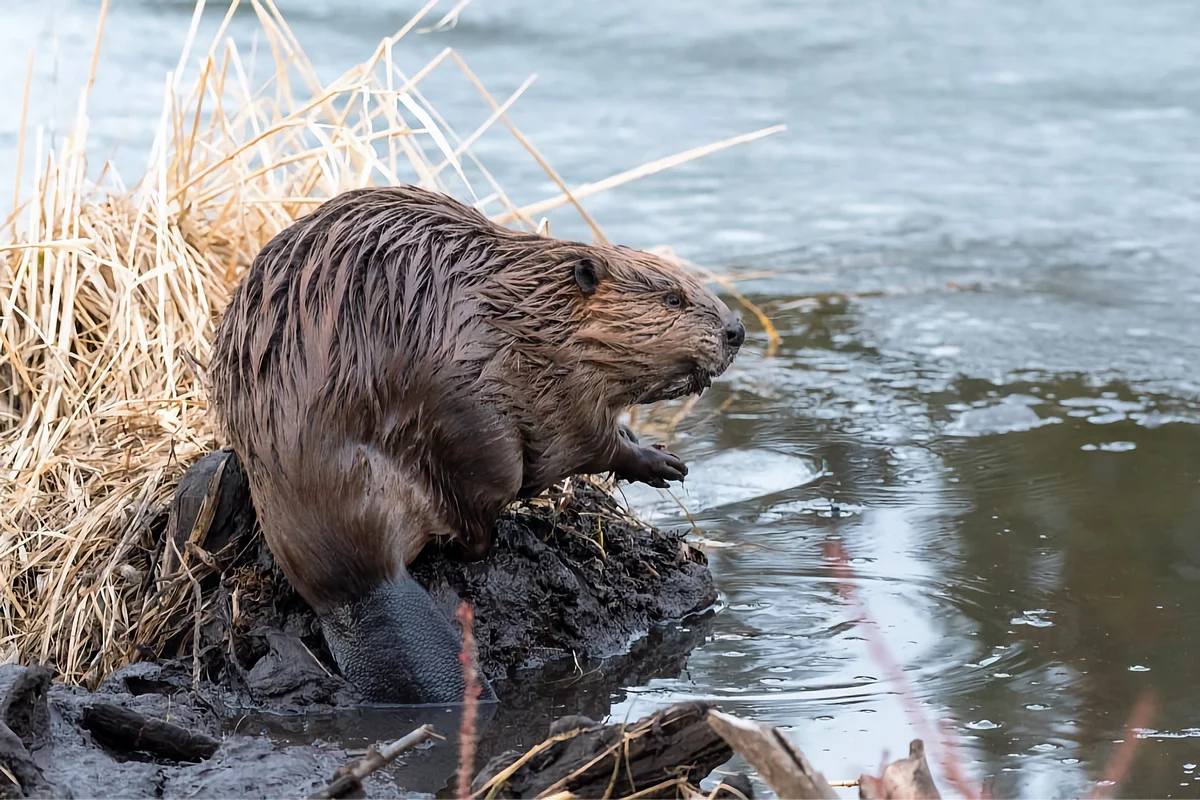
(397,646)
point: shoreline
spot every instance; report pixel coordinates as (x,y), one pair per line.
(563,622)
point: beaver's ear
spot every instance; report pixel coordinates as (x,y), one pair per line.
(588,275)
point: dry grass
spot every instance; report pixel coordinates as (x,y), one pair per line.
(109,301)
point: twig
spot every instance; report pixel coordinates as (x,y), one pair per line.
(1122,760)
(197,625)
(95,49)
(12,778)
(653,791)
(778,761)
(349,778)
(882,656)
(467,733)
(588,189)
(500,778)
(533,151)
(691,518)
(21,133)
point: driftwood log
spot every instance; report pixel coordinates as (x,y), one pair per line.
(657,756)
(784,768)
(668,753)
(906,779)
(127,731)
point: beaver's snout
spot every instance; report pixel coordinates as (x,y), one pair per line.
(735,331)
(732,337)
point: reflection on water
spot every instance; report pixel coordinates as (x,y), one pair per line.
(520,720)
(1027,548)
(999,427)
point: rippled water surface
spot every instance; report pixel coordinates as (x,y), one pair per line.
(989,407)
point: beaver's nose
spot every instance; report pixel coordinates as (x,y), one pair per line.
(735,332)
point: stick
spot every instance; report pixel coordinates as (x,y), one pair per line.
(533,151)
(588,189)
(467,735)
(951,763)
(349,778)
(783,767)
(21,133)
(1122,760)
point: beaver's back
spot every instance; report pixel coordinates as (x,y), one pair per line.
(344,312)
(345,372)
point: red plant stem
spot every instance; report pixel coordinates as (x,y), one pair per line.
(467,733)
(1118,766)
(880,654)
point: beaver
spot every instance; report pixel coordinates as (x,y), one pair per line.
(395,369)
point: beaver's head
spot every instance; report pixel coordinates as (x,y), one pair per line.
(655,329)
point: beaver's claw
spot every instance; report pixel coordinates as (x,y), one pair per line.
(654,466)
(627,433)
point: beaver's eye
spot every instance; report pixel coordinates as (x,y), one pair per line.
(673,300)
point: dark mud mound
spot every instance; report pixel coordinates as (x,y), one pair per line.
(571,577)
(578,581)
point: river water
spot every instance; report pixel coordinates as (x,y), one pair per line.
(989,408)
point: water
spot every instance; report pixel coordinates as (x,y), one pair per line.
(992,410)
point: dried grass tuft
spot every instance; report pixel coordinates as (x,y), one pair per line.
(109,300)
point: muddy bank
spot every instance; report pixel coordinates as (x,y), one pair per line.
(576,601)
(62,741)
(52,746)
(140,735)
(56,749)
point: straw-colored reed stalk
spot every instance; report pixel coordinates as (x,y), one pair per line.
(109,301)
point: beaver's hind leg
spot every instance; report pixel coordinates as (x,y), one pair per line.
(396,646)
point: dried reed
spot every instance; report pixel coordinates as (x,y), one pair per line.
(109,301)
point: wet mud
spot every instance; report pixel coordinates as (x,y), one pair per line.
(48,745)
(576,594)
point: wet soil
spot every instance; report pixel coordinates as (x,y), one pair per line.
(576,593)
(46,746)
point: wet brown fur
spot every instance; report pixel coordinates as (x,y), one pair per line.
(396,367)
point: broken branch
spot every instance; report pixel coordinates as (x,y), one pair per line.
(350,777)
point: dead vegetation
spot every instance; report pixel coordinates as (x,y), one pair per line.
(668,753)
(109,299)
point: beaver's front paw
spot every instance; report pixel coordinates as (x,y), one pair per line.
(655,466)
